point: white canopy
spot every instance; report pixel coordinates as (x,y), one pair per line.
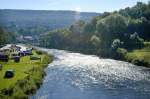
(8,46)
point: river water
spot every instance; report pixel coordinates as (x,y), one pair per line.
(79,76)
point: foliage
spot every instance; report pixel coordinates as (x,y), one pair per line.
(139,57)
(36,22)
(6,37)
(136,41)
(147,44)
(105,34)
(121,52)
(111,27)
(116,44)
(95,40)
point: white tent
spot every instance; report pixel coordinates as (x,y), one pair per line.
(7,47)
(23,48)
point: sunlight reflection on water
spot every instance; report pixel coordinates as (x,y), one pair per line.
(78,76)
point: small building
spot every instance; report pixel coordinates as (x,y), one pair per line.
(6,48)
(28,38)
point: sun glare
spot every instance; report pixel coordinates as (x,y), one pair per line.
(78,9)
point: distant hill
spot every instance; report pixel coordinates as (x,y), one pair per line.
(37,21)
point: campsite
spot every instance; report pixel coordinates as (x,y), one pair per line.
(19,66)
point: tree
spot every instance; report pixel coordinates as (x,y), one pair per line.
(6,37)
(111,27)
(2,36)
(77,27)
(95,41)
(135,41)
(116,44)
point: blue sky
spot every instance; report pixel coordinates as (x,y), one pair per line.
(78,5)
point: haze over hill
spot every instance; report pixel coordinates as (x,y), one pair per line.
(38,21)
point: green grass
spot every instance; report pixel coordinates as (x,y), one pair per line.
(27,72)
(139,57)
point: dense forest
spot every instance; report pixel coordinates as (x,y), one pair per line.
(35,22)
(107,35)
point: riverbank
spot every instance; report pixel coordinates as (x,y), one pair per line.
(28,76)
(140,57)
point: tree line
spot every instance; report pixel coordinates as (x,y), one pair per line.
(6,37)
(105,34)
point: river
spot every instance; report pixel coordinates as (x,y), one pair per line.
(78,76)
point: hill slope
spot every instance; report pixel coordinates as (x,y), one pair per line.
(40,20)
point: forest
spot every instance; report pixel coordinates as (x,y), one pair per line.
(111,34)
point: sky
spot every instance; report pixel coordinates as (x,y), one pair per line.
(76,5)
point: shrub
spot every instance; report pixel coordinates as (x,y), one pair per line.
(7,91)
(47,59)
(121,53)
(39,52)
(116,44)
(140,62)
(147,44)
(18,93)
(135,41)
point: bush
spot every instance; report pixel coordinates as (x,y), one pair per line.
(47,59)
(140,62)
(147,44)
(7,91)
(121,53)
(116,44)
(135,41)
(39,52)
(18,93)
(34,58)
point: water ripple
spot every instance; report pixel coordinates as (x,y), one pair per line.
(78,76)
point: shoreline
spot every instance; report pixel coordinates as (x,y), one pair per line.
(123,57)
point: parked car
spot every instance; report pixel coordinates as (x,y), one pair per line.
(9,73)
(4,57)
(28,52)
(17,59)
(22,53)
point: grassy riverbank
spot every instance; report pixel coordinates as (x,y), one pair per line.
(140,57)
(27,79)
